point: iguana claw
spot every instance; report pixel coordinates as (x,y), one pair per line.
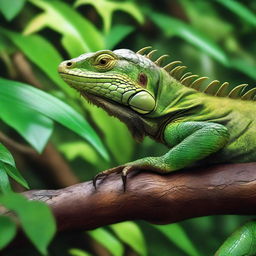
(124,172)
(105,173)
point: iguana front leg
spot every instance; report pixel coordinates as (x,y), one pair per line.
(189,142)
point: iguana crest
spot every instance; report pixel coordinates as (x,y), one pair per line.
(216,88)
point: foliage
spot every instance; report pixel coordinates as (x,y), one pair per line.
(35,218)
(8,167)
(44,106)
(176,234)
(213,38)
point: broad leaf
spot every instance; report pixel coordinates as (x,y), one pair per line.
(7,166)
(105,8)
(15,174)
(79,35)
(6,156)
(177,235)
(24,96)
(38,223)
(41,53)
(10,8)
(107,240)
(4,180)
(130,234)
(28,123)
(36,219)
(7,231)
(174,27)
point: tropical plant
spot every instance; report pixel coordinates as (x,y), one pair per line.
(36,107)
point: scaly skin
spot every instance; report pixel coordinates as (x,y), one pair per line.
(197,128)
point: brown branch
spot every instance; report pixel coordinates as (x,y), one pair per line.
(220,189)
(25,71)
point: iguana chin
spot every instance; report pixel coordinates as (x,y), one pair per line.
(198,126)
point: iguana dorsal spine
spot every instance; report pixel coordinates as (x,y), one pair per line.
(214,88)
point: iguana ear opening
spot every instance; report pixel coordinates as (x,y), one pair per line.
(143,80)
(142,102)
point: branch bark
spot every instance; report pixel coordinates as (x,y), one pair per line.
(161,199)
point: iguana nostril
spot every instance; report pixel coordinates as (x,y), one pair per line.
(69,64)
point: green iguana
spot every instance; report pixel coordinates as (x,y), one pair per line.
(214,125)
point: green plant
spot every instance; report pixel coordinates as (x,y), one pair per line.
(212,37)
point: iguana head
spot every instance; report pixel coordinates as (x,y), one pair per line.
(114,77)
(130,86)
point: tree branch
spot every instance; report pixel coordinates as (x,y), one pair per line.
(162,199)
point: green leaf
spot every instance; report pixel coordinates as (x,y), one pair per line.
(10,8)
(176,234)
(36,100)
(7,231)
(35,48)
(174,27)
(73,150)
(28,123)
(4,180)
(107,240)
(130,234)
(205,18)
(7,166)
(105,8)
(78,252)
(15,174)
(117,34)
(239,9)
(38,223)
(36,219)
(6,156)
(78,34)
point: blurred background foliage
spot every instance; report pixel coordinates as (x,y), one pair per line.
(213,38)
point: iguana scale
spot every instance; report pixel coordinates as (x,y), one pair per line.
(199,124)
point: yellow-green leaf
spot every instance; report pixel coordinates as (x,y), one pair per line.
(106,8)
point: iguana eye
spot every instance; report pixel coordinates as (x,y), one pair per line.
(104,62)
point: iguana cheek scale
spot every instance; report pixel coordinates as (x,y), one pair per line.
(199,124)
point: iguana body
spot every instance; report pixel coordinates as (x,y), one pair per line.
(153,101)
(169,107)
